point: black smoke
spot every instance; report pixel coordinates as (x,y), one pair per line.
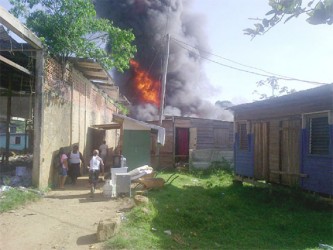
(150,21)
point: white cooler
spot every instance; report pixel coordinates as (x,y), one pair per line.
(114,172)
(123,184)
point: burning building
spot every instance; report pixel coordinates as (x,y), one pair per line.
(186,85)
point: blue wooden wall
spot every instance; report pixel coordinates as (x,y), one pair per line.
(244,159)
(318,168)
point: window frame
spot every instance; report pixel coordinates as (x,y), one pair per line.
(307,124)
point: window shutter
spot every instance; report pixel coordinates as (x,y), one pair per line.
(319,136)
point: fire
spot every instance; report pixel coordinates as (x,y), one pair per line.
(146,87)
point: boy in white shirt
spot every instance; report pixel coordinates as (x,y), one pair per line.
(96,165)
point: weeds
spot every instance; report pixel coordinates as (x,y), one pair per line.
(14,198)
(205,210)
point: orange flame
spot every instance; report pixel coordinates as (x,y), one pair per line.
(145,86)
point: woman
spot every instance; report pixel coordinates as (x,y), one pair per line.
(63,168)
(75,158)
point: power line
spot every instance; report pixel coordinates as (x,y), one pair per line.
(268,74)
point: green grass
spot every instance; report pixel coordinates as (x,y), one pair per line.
(15,198)
(207,211)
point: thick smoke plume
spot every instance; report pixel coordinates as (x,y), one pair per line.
(150,21)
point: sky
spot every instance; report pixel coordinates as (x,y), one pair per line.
(295,49)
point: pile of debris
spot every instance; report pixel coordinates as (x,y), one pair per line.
(18,171)
(18,160)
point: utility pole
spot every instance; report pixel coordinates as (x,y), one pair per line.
(165,69)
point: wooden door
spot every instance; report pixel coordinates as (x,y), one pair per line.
(261,149)
(290,151)
(182,145)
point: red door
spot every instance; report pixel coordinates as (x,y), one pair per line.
(182,144)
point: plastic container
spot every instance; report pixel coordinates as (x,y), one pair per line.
(107,189)
(119,161)
(114,171)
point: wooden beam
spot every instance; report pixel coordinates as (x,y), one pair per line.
(288,173)
(15,65)
(19,29)
(251,181)
(92,74)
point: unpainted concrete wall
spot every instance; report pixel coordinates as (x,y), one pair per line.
(70,105)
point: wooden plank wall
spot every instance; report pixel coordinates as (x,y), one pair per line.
(274,149)
(277,150)
(213,134)
(261,147)
(163,157)
(207,130)
(290,152)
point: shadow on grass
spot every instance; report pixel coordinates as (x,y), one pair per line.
(202,214)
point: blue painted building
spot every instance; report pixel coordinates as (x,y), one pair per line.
(287,140)
(17,141)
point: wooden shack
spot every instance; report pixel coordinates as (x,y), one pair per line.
(135,139)
(185,136)
(287,140)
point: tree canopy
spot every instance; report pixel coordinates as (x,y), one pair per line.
(273,85)
(318,11)
(71,28)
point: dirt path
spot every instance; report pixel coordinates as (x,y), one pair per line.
(63,219)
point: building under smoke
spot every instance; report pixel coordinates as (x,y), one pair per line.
(150,21)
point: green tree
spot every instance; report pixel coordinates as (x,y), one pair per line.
(318,11)
(276,89)
(71,28)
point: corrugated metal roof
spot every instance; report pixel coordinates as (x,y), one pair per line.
(323,93)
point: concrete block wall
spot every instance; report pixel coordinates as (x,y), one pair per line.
(70,105)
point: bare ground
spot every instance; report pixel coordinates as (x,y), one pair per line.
(63,219)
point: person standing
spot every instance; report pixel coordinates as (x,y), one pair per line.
(63,168)
(75,160)
(103,151)
(96,165)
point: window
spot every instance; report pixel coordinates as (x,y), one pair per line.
(17,140)
(243,140)
(318,134)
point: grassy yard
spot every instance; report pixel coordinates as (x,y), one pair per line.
(15,198)
(207,211)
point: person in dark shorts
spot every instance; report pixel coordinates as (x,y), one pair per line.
(75,159)
(96,166)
